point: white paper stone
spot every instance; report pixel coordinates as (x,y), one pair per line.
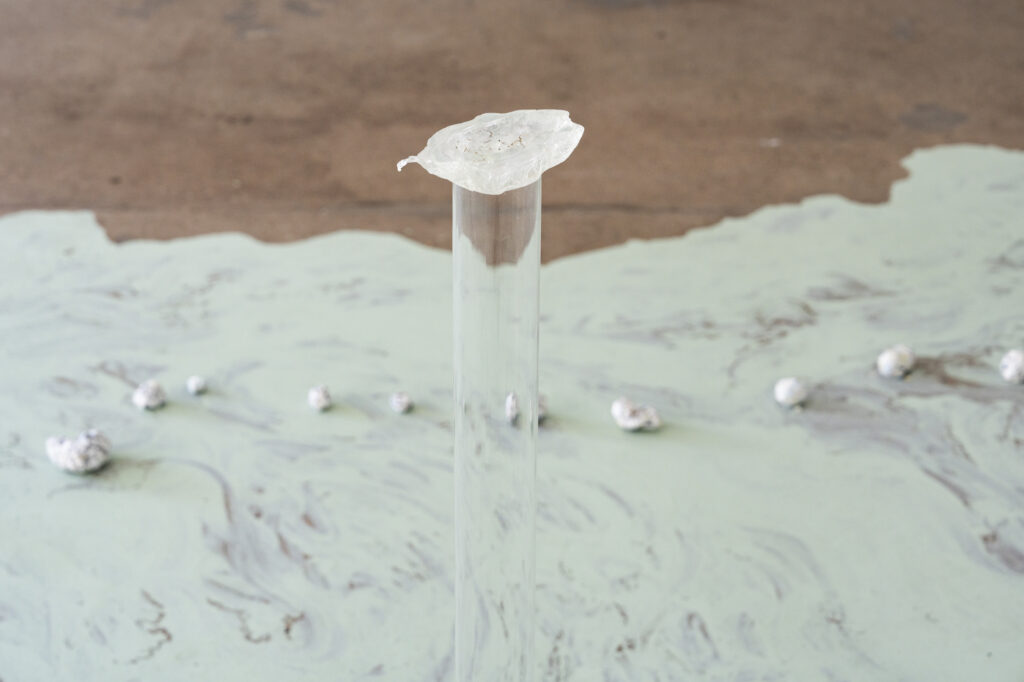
(895,362)
(319,398)
(631,417)
(511,408)
(149,395)
(87,453)
(495,153)
(400,402)
(790,392)
(1011,367)
(195,385)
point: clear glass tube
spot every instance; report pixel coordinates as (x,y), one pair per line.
(496,255)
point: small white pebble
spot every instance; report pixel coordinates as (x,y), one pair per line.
(149,396)
(542,407)
(1011,367)
(87,453)
(895,362)
(319,398)
(195,385)
(400,402)
(511,408)
(631,417)
(790,392)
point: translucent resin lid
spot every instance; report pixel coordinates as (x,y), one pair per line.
(495,153)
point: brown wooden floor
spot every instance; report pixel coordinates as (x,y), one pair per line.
(285,118)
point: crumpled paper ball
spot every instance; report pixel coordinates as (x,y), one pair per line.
(319,398)
(631,417)
(895,362)
(82,455)
(790,392)
(149,396)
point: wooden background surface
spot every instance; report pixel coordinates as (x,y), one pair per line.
(284,118)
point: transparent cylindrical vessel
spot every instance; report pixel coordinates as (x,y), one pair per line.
(496,252)
(494,163)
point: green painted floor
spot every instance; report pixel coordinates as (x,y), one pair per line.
(876,535)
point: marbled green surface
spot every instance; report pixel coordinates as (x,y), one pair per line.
(876,535)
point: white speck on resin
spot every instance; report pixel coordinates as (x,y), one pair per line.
(790,392)
(319,398)
(196,385)
(400,402)
(149,395)
(895,362)
(87,453)
(631,417)
(511,408)
(1011,367)
(495,153)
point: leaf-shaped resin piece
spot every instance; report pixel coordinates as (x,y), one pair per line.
(495,153)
